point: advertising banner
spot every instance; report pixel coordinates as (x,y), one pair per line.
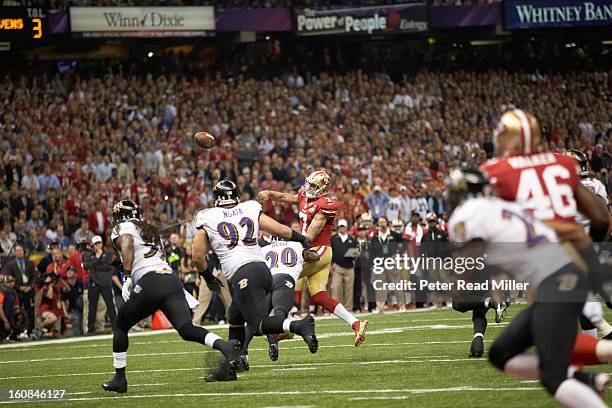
(397,18)
(142,21)
(259,20)
(522,14)
(465,16)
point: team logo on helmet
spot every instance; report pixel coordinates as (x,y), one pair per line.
(317,183)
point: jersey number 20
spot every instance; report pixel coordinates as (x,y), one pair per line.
(230,232)
(288,257)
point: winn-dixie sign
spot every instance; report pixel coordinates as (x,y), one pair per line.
(557,13)
(410,17)
(142,21)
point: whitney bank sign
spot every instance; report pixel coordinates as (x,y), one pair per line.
(142,21)
(557,13)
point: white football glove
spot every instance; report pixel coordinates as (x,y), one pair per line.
(125,290)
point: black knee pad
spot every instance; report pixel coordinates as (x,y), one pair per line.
(121,324)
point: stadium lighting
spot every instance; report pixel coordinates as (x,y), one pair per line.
(150,54)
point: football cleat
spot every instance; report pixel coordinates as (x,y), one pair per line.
(477,348)
(116,385)
(500,310)
(599,382)
(272,346)
(306,329)
(233,354)
(223,373)
(243,364)
(360,328)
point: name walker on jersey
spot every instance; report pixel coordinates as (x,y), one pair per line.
(458,285)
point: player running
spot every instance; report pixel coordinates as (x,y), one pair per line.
(526,249)
(548,186)
(231,229)
(155,287)
(317,211)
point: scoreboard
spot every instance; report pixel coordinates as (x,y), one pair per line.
(23,24)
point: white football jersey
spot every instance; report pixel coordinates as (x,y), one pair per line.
(516,242)
(284,257)
(596,187)
(392,212)
(232,233)
(148,256)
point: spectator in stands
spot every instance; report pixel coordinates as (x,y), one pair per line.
(12,169)
(97,221)
(24,273)
(47,180)
(342,271)
(7,240)
(33,243)
(377,202)
(83,234)
(98,265)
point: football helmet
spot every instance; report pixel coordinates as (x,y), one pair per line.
(581,159)
(125,210)
(366,219)
(397,225)
(317,183)
(226,192)
(463,184)
(517,132)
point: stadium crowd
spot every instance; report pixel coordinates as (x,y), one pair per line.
(76,142)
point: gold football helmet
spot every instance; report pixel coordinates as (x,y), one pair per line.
(517,132)
(317,183)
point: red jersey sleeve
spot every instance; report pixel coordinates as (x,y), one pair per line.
(328,207)
(1,298)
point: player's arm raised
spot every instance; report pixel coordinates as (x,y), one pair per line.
(595,210)
(269,225)
(277,196)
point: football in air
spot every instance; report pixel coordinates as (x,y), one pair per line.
(204,139)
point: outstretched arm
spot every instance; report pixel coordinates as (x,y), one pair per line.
(277,196)
(277,229)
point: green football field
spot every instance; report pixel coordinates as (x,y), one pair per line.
(414,359)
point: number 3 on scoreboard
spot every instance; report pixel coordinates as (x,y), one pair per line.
(37,28)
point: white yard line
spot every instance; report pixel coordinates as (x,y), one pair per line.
(283,393)
(415,360)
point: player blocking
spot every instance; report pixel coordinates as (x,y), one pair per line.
(230,229)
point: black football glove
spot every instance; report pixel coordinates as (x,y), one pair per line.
(213,283)
(302,239)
